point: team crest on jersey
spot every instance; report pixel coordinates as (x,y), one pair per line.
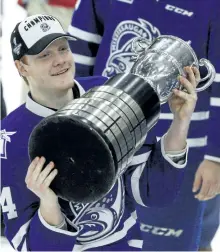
(99,219)
(120,58)
(4,139)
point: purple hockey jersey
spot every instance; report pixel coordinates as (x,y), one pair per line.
(105,30)
(152,180)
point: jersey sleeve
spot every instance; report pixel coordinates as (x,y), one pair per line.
(25,229)
(213,148)
(89,35)
(153,178)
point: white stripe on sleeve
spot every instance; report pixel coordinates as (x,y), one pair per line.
(135,188)
(135,243)
(212,158)
(84,35)
(217,77)
(196,116)
(84,60)
(215,101)
(16,241)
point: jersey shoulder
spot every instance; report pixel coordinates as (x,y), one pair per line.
(91,81)
(15,117)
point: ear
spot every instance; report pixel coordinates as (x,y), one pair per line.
(22,68)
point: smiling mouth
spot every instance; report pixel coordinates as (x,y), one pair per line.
(61,72)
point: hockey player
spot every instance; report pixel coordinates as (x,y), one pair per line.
(104,48)
(35,219)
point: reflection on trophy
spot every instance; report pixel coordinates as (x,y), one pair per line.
(92,139)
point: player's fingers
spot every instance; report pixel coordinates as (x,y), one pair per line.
(213,190)
(204,191)
(181,94)
(187,85)
(43,175)
(38,168)
(197,182)
(209,197)
(31,168)
(190,76)
(197,74)
(50,178)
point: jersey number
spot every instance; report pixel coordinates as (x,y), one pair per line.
(7,204)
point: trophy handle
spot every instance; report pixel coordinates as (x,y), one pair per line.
(209,78)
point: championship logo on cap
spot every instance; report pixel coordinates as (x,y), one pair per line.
(45,27)
(32,35)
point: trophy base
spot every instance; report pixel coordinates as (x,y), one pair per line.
(85,164)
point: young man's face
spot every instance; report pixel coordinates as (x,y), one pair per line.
(53,68)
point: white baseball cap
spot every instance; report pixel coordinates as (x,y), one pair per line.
(34,34)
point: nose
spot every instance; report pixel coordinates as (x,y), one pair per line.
(59,59)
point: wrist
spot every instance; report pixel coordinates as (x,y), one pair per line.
(181,122)
(179,128)
(176,137)
(49,203)
(51,212)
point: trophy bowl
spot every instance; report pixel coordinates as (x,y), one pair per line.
(161,62)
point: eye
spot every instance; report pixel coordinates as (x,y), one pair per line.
(45,55)
(64,48)
(94,216)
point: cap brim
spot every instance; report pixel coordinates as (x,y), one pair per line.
(46,41)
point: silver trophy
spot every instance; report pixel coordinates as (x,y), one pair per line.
(162,61)
(92,140)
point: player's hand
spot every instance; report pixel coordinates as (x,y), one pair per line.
(38,181)
(207,180)
(182,103)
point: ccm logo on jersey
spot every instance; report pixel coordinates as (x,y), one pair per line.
(160,230)
(179,10)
